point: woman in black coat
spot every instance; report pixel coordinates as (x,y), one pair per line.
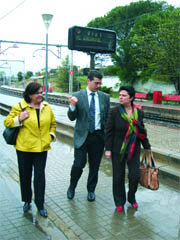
(124,135)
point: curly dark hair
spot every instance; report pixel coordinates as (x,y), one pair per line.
(31,89)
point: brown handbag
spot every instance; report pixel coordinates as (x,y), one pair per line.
(148,172)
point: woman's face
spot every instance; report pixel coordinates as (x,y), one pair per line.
(124,98)
(37,97)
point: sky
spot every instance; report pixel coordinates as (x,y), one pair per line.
(21,20)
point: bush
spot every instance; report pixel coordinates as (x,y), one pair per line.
(149,96)
(105,89)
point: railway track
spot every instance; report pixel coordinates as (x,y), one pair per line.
(169,117)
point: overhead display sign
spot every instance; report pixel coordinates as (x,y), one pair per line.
(88,39)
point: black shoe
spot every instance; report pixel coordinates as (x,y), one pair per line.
(43,212)
(91,196)
(26,207)
(70,193)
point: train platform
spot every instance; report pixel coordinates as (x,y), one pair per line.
(157,218)
(164,139)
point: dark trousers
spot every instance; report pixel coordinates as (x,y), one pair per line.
(119,191)
(93,147)
(27,162)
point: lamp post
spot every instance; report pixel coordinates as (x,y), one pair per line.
(13,46)
(47,20)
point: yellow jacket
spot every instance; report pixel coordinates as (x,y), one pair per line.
(31,137)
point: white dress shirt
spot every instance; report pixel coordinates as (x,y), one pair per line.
(97,108)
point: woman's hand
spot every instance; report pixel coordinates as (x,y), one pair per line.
(149,150)
(23,115)
(108,154)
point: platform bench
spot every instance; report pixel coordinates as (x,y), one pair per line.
(50,89)
(171,97)
(140,95)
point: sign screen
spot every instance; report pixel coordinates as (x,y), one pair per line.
(92,40)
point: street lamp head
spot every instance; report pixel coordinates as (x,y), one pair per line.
(15,45)
(47,20)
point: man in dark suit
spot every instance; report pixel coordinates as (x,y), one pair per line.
(89,108)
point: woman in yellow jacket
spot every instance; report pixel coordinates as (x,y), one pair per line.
(37,130)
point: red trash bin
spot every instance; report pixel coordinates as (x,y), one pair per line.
(157,97)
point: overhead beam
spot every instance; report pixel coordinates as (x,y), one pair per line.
(32,43)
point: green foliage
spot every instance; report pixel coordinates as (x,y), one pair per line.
(114,94)
(159,36)
(20,76)
(148,41)
(28,74)
(111,70)
(63,75)
(62,80)
(105,89)
(149,96)
(2,75)
(82,81)
(53,71)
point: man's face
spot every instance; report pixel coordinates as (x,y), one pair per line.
(95,84)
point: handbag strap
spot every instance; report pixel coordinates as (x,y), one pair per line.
(22,109)
(151,161)
(148,159)
(144,159)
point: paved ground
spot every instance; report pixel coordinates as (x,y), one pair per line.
(13,225)
(158,216)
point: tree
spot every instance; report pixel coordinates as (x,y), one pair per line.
(28,74)
(2,75)
(158,37)
(20,76)
(123,20)
(63,76)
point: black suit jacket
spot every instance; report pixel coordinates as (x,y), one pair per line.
(116,131)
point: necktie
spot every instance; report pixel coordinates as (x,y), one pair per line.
(92,113)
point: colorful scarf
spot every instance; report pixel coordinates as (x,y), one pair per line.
(135,129)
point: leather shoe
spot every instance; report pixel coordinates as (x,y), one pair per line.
(43,212)
(134,205)
(70,193)
(26,207)
(119,208)
(91,196)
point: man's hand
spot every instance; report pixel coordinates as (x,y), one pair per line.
(72,101)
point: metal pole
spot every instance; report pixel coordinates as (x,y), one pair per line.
(46,76)
(92,61)
(71,74)
(4,80)
(10,76)
(23,81)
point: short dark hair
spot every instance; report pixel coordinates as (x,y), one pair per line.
(94,73)
(31,89)
(130,90)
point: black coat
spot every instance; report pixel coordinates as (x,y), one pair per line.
(116,131)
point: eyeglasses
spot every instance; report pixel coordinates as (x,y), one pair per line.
(39,93)
(98,83)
